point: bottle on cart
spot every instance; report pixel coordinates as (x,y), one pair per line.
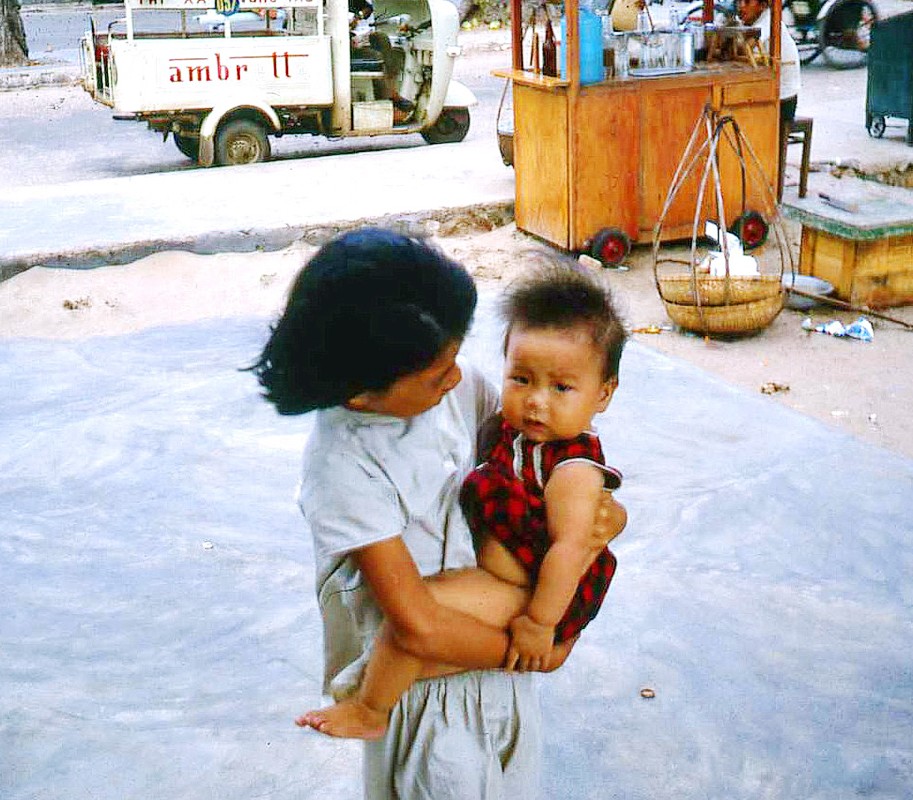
(608,45)
(590,44)
(549,51)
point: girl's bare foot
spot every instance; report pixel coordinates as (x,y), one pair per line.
(348,719)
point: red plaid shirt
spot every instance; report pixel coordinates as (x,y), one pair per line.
(504,498)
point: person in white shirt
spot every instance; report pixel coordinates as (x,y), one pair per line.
(756,13)
(368,43)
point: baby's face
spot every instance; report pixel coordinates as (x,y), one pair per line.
(553,382)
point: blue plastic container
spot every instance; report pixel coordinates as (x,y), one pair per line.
(592,69)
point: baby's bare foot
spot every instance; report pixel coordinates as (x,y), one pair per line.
(349,719)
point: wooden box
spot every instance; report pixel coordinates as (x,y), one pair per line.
(858,236)
(875,273)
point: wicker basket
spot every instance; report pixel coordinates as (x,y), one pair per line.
(727,304)
(732,319)
(506,146)
(712,291)
(504,123)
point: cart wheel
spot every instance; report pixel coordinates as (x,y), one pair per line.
(241,141)
(610,246)
(877,127)
(752,229)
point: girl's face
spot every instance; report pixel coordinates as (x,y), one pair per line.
(553,384)
(416,392)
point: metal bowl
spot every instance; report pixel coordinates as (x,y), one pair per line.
(804,283)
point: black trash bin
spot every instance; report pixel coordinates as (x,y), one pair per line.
(890,86)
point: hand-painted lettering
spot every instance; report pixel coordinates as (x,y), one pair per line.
(284,63)
(180,72)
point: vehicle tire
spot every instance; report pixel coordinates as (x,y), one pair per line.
(806,43)
(452,126)
(241,141)
(610,246)
(808,50)
(845,34)
(752,230)
(188,145)
(877,127)
(801,26)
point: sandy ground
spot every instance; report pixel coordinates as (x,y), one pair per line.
(862,388)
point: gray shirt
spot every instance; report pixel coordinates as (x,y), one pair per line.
(369,477)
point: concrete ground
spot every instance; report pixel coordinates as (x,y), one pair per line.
(159,627)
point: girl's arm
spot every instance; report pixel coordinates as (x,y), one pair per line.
(572,497)
(419,624)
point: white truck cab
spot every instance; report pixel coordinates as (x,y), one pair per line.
(222,92)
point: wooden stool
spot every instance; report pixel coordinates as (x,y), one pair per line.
(735,44)
(799,131)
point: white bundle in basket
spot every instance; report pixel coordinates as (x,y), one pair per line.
(740,265)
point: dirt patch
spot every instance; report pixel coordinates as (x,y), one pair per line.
(861,388)
(900,174)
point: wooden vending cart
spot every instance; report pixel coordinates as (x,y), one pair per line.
(594,162)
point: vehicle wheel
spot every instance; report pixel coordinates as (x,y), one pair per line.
(188,145)
(801,25)
(610,246)
(241,141)
(877,127)
(752,230)
(846,33)
(806,43)
(451,126)
(808,51)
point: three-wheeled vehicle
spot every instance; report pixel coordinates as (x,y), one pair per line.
(221,93)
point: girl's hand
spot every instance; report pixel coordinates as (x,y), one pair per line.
(530,645)
(611,519)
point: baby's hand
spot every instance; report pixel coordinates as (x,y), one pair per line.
(530,645)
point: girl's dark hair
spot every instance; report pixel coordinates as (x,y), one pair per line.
(560,293)
(369,307)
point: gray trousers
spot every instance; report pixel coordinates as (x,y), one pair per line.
(474,736)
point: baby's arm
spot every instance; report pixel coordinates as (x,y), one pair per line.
(572,496)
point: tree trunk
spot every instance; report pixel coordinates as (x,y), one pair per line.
(14,51)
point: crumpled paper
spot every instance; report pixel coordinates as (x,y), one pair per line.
(861,329)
